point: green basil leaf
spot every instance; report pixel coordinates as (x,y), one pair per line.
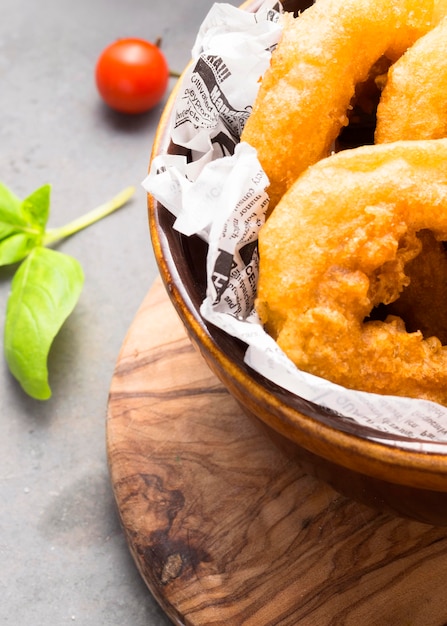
(27,218)
(44,291)
(36,207)
(15,248)
(12,218)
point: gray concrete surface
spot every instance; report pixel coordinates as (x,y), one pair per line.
(63,557)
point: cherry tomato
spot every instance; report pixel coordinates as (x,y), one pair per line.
(132,75)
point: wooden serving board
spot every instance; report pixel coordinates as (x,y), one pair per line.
(225,529)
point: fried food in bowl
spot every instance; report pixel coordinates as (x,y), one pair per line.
(321,58)
(416,84)
(347,229)
(407,476)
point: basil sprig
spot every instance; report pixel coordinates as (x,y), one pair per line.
(46,285)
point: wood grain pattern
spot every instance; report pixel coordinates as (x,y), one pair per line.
(227,530)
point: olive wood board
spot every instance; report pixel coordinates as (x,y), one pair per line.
(226,529)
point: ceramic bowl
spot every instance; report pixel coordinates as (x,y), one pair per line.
(405,476)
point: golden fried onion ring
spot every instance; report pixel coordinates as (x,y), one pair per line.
(413,102)
(335,247)
(304,95)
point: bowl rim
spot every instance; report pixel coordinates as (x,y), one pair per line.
(418,462)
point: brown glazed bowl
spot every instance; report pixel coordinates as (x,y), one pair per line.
(405,476)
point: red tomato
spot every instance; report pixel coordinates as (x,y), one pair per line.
(132,75)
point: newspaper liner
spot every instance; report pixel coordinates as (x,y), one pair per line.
(218,192)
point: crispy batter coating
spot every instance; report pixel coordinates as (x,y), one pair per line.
(423,303)
(336,247)
(413,102)
(412,106)
(305,94)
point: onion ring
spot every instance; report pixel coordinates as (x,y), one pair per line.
(412,104)
(304,96)
(335,247)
